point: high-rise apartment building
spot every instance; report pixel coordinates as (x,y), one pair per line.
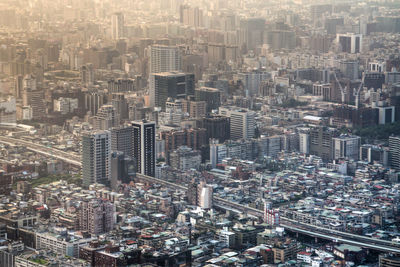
(205,194)
(106,118)
(372,154)
(165,58)
(18,87)
(394,152)
(271,215)
(121,85)
(349,42)
(252,32)
(144,146)
(374,80)
(323,90)
(122,139)
(120,102)
(331,24)
(117,26)
(217,127)
(192,16)
(96,216)
(184,158)
(252,80)
(122,169)
(34,99)
(29,81)
(318,10)
(212,96)
(65,105)
(174,113)
(386,114)
(346,146)
(8,110)
(321,142)
(242,122)
(170,84)
(193,138)
(270,146)
(349,68)
(304,141)
(196,109)
(96,157)
(93,101)
(281,39)
(87,74)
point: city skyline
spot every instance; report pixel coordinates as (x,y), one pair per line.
(199,133)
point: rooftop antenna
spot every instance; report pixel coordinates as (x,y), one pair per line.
(343,91)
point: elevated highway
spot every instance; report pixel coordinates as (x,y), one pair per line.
(67,157)
(292,225)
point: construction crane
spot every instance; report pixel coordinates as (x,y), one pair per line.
(356,93)
(343,91)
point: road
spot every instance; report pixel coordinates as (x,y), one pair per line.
(68,157)
(294,226)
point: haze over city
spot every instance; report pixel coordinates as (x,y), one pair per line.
(184,133)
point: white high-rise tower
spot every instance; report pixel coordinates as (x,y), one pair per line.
(117,26)
(96,157)
(165,58)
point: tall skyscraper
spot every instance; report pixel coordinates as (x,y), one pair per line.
(117,26)
(165,58)
(394,152)
(242,122)
(121,139)
(18,86)
(170,84)
(144,146)
(96,157)
(35,99)
(87,74)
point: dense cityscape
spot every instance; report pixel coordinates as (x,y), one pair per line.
(199,133)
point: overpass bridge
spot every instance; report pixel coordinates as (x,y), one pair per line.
(292,225)
(67,157)
(289,224)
